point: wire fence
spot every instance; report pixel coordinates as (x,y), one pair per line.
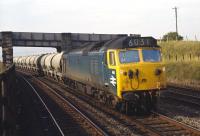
(181,57)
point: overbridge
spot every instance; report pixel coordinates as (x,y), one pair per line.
(60,41)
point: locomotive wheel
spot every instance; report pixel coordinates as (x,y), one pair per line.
(123,107)
(154,102)
(142,102)
(120,106)
(149,105)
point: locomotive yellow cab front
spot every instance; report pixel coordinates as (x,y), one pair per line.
(138,70)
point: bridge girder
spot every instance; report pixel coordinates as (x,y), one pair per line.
(60,41)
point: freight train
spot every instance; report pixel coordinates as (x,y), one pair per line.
(126,73)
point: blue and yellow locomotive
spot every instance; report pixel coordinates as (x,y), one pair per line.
(126,72)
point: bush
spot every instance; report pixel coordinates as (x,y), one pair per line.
(172,36)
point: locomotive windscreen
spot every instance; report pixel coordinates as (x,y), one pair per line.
(132,42)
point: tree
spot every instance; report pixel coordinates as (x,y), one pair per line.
(172,36)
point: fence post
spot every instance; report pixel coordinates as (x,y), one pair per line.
(7,96)
(3,108)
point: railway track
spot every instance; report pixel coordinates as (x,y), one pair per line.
(154,124)
(189,91)
(112,126)
(184,95)
(158,124)
(166,126)
(44,109)
(68,120)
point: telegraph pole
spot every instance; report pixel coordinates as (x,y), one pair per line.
(175,8)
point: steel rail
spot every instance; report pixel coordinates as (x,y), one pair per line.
(183,88)
(135,123)
(172,93)
(150,125)
(193,130)
(49,112)
(98,129)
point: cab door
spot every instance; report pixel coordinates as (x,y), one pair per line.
(110,75)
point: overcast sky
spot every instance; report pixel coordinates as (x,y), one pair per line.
(145,17)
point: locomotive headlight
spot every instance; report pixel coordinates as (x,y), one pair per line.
(158,72)
(163,69)
(125,73)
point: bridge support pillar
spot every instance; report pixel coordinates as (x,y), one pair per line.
(7,48)
(66,42)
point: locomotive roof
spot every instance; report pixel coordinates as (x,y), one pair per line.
(117,43)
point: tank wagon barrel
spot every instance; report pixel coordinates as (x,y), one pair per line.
(42,61)
(23,62)
(48,61)
(56,62)
(19,61)
(27,60)
(32,58)
(35,61)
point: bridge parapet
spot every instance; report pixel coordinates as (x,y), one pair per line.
(60,41)
(33,39)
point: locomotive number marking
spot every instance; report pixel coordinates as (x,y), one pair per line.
(137,42)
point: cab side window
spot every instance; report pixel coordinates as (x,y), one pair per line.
(112,58)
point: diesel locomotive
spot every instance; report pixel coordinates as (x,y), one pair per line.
(126,73)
